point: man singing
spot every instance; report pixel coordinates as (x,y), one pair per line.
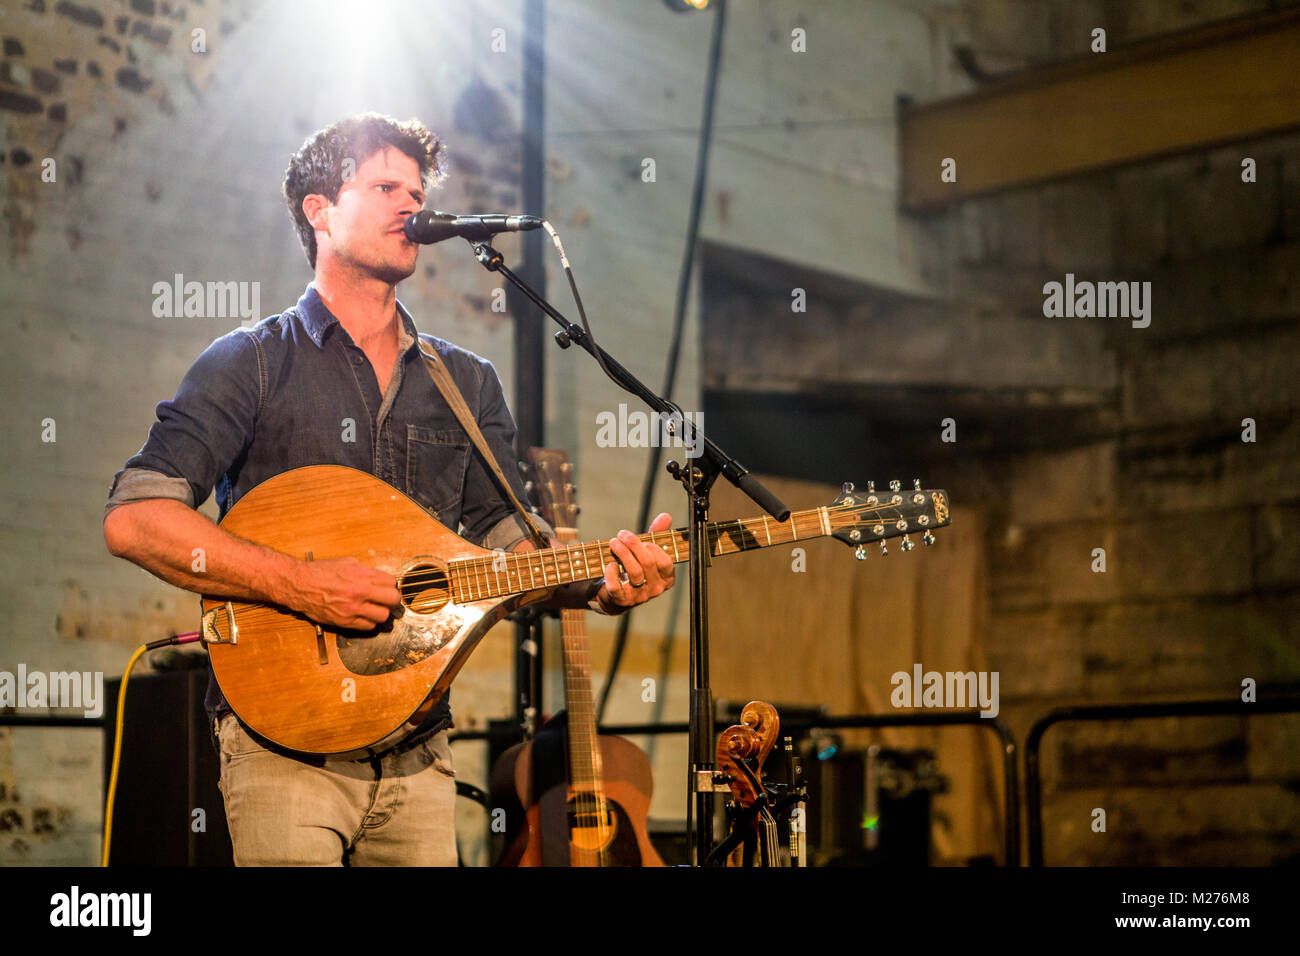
(261,401)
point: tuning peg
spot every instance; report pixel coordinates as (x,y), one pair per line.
(567,468)
(916,484)
(883,550)
(895,485)
(907,543)
(928,538)
(860,552)
(848,487)
(528,487)
(523,467)
(871,486)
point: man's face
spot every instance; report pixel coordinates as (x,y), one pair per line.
(365,222)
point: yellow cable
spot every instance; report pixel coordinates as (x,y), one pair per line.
(117,751)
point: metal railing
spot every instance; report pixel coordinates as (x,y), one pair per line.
(1098,712)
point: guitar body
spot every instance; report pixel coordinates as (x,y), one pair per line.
(345,693)
(627,786)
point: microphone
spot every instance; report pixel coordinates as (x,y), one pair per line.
(428,226)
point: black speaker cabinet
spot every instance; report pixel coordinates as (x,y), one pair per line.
(168,810)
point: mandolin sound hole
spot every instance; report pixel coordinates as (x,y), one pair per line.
(424,588)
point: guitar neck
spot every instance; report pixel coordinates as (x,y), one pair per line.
(504,574)
(584,754)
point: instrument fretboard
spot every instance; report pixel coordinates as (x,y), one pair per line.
(480,578)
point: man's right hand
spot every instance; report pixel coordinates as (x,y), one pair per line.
(343,593)
(164,536)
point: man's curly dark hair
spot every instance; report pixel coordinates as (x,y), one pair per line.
(319,165)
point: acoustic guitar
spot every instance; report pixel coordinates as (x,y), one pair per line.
(341,693)
(600,804)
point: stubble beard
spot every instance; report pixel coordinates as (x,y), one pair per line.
(379,266)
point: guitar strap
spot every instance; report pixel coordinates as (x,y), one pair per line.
(447,385)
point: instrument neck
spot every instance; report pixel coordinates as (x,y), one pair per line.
(502,574)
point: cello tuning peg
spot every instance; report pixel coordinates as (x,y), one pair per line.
(895,485)
(927,538)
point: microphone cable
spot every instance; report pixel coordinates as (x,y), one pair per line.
(174,640)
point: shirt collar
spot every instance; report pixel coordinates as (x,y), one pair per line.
(317,319)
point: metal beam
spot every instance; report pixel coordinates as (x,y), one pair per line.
(529,331)
(1183,92)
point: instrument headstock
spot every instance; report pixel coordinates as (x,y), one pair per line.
(550,481)
(861,517)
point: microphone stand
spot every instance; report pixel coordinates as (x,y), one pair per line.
(697,477)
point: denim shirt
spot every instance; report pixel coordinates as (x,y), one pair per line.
(295,390)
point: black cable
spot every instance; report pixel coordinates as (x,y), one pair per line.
(679,315)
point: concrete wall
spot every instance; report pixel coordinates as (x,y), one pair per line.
(1199,591)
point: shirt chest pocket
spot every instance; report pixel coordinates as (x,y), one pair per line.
(436,460)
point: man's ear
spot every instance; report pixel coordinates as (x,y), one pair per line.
(316,208)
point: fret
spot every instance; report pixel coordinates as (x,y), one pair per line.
(768,530)
(716,539)
(569,554)
(559,574)
(532,579)
(794,530)
(676,556)
(826,521)
(541,563)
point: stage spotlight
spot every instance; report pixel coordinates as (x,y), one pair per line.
(686,6)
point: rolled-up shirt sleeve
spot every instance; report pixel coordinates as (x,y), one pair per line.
(137,484)
(510,531)
(200,432)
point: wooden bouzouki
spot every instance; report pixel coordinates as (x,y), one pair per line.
(604,797)
(311,689)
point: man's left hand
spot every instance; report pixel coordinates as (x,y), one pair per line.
(647,570)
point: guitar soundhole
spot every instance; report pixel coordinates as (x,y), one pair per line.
(424,588)
(607,836)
